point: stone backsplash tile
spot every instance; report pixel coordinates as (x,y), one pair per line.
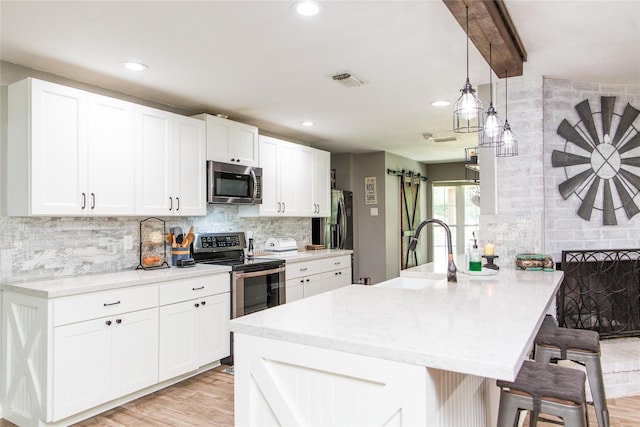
(41,248)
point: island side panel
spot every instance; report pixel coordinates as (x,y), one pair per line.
(282,383)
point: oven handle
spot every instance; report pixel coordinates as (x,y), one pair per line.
(240,275)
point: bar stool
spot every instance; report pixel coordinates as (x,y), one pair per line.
(546,388)
(580,346)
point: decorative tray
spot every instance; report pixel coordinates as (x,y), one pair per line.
(483,272)
(534,262)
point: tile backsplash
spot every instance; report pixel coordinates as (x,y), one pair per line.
(42,248)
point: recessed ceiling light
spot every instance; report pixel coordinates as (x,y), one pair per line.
(134,66)
(307,123)
(442,103)
(307,8)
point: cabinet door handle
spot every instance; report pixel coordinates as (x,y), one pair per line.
(118,321)
(108,322)
(301,280)
(198,289)
(203,302)
(284,207)
(308,280)
(304,269)
(178,200)
(93,200)
(84,200)
(107,304)
(196,305)
(170,203)
(233,160)
(279,207)
(336,263)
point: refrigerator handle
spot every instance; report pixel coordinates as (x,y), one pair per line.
(342,231)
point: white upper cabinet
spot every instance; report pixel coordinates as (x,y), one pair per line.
(231,142)
(110,156)
(307,206)
(64,148)
(154,171)
(279,163)
(295,180)
(190,180)
(75,153)
(321,185)
(170,163)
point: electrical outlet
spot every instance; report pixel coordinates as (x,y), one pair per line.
(128,243)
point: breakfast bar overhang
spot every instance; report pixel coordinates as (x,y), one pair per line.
(409,351)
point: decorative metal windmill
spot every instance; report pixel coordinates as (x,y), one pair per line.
(591,158)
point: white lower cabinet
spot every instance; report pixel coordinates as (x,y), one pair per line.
(305,279)
(194,324)
(71,354)
(102,359)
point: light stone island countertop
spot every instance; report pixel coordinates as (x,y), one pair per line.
(302,256)
(481,326)
(73,285)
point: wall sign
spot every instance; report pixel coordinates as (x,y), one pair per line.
(370,191)
(601,160)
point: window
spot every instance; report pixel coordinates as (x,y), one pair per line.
(452,204)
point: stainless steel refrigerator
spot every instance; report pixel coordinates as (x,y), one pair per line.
(335,231)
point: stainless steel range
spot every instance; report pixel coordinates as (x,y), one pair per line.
(256,283)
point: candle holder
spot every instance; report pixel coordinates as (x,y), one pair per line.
(490,263)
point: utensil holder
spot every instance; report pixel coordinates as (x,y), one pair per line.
(178,254)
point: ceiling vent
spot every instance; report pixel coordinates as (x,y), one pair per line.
(433,138)
(348,80)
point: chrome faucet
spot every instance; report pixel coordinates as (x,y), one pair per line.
(413,242)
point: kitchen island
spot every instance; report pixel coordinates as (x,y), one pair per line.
(408,351)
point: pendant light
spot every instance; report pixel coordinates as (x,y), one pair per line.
(467,112)
(509,145)
(491,135)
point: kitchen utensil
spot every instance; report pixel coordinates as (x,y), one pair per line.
(189,238)
(177,232)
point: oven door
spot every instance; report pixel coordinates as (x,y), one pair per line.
(256,290)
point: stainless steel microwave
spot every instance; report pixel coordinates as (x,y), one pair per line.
(233,184)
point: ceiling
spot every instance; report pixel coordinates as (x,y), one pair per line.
(259,63)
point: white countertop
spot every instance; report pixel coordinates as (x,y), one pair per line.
(481,326)
(301,256)
(74,285)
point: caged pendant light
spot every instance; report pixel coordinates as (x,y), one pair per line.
(467,112)
(509,145)
(491,135)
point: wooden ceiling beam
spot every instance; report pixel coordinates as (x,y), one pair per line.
(490,24)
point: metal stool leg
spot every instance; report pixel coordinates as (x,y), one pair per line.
(508,411)
(593,364)
(596,383)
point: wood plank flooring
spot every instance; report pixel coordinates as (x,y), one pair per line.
(207,400)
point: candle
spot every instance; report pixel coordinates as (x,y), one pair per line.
(489,249)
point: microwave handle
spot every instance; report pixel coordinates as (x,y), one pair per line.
(255,185)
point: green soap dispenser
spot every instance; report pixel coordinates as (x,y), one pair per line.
(475,256)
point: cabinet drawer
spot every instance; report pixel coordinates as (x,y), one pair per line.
(101,304)
(183,290)
(336,263)
(300,269)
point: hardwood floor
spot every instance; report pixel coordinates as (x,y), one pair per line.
(207,400)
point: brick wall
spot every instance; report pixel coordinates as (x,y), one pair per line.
(532,216)
(563,228)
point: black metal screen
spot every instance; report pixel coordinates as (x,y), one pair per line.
(601,292)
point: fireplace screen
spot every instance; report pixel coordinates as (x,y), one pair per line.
(601,292)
